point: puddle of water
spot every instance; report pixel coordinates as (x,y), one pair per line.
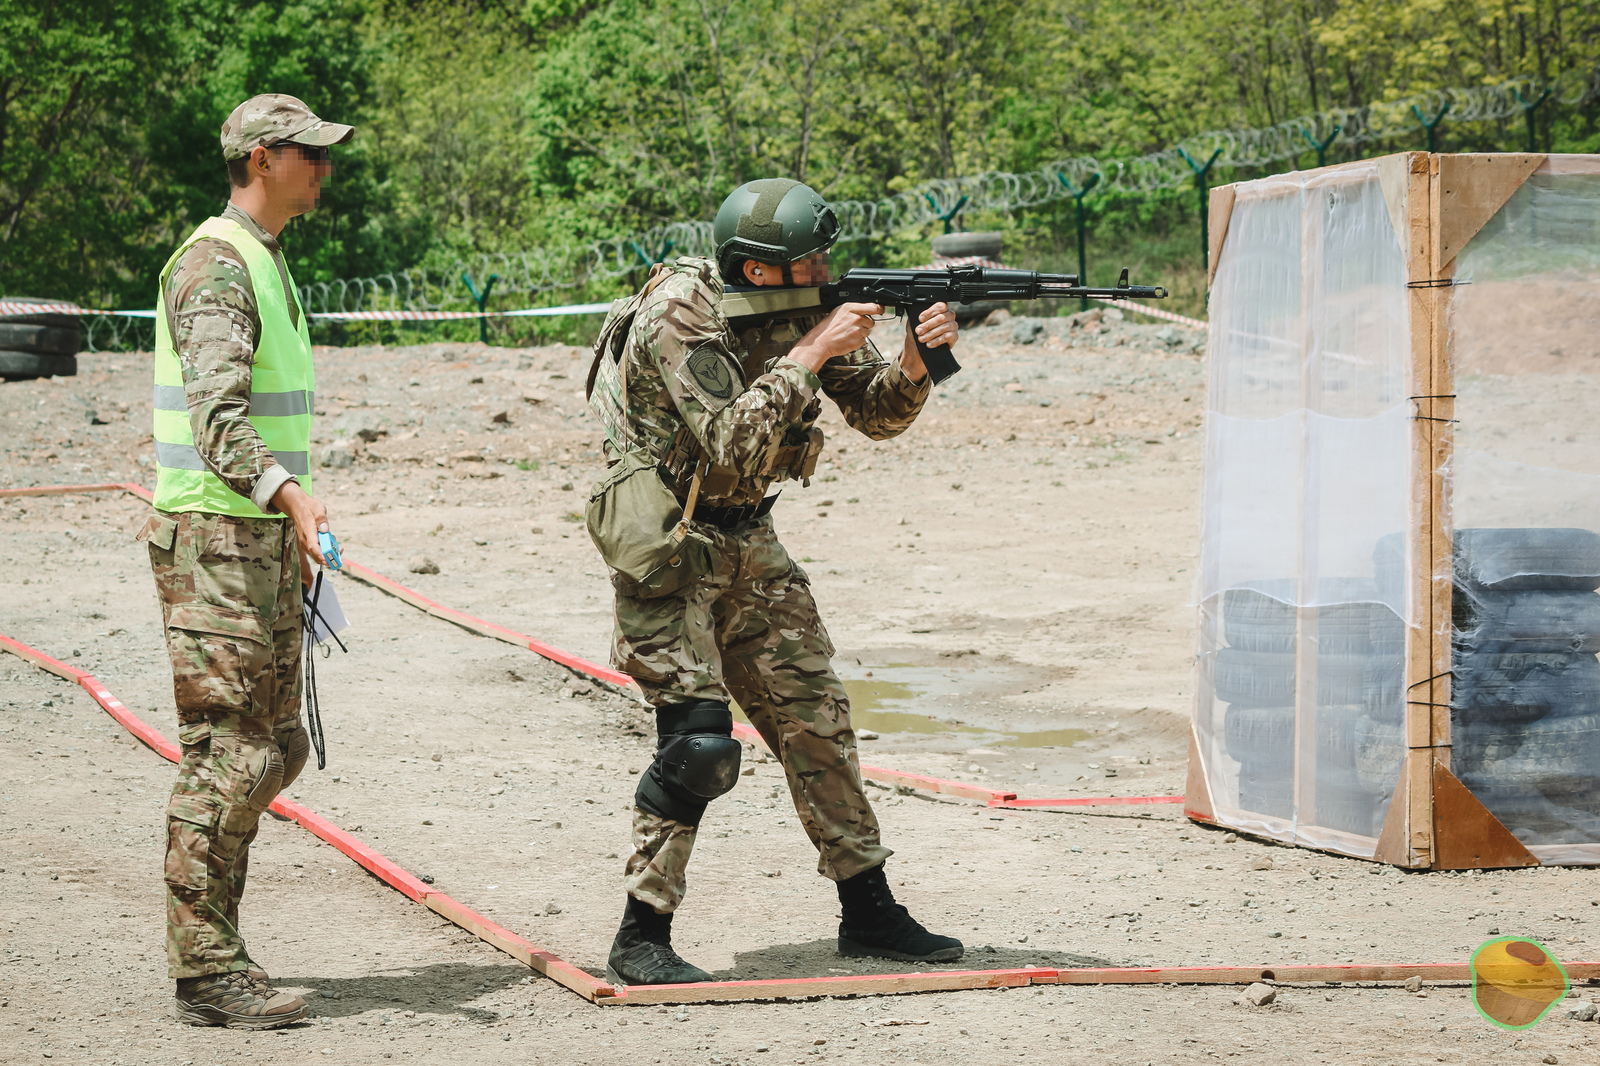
(1046,738)
(872,700)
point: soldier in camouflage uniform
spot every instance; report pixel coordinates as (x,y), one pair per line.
(736,402)
(232,540)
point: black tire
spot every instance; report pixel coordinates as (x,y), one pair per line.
(1386,635)
(1254,678)
(1267,679)
(1267,791)
(1260,734)
(1380,751)
(1254,621)
(1536,819)
(48,318)
(1384,692)
(1349,810)
(43,340)
(15,366)
(1509,560)
(1336,741)
(957,245)
(1507,688)
(1558,757)
(1531,621)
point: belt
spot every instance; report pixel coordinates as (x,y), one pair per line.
(728,519)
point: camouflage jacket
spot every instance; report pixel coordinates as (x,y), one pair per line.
(697,386)
(211,307)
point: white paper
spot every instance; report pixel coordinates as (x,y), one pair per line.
(330,618)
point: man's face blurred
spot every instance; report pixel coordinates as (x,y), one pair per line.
(810,271)
(296,174)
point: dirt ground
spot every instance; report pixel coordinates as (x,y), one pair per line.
(1008,585)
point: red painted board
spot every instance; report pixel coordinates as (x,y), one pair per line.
(40,659)
(478,625)
(140,491)
(61,490)
(937,784)
(386,871)
(147,734)
(809,987)
(552,966)
(1088,801)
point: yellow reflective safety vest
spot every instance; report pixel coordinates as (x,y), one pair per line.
(282,388)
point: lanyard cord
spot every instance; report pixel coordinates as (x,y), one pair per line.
(312,704)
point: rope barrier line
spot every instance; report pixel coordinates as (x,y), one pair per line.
(922,782)
(395,876)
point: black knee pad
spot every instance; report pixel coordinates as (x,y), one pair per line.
(697,760)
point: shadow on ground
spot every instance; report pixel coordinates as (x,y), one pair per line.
(440,989)
(821,958)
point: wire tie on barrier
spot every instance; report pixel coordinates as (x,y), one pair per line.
(1436,283)
(1430,680)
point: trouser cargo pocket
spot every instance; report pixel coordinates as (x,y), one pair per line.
(189,829)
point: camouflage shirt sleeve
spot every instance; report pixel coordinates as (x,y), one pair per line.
(874,395)
(212,309)
(682,332)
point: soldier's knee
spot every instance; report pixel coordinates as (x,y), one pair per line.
(296,750)
(250,774)
(696,761)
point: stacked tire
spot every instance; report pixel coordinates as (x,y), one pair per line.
(1360,646)
(38,345)
(1525,703)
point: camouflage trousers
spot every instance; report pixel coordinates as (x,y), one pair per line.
(749,632)
(230,597)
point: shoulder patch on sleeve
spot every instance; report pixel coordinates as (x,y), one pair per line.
(709,377)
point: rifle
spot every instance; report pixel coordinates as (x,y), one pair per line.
(911,292)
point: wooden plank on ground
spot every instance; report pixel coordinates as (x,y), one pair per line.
(487,629)
(1087,801)
(389,872)
(812,987)
(552,966)
(61,490)
(951,980)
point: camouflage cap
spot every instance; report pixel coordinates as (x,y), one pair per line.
(272,118)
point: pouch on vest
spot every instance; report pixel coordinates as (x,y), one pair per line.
(638,525)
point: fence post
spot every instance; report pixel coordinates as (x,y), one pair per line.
(1527,113)
(1433,125)
(948,218)
(1201,174)
(1321,146)
(1077,196)
(481,298)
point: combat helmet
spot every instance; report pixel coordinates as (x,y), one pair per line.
(773,220)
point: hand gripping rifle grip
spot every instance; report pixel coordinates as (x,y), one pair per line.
(939,361)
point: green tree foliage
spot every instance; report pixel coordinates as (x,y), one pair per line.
(498,125)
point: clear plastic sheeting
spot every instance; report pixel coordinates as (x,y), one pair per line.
(1302,588)
(1524,490)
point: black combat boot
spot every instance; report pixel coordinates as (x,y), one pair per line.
(874,925)
(642,952)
